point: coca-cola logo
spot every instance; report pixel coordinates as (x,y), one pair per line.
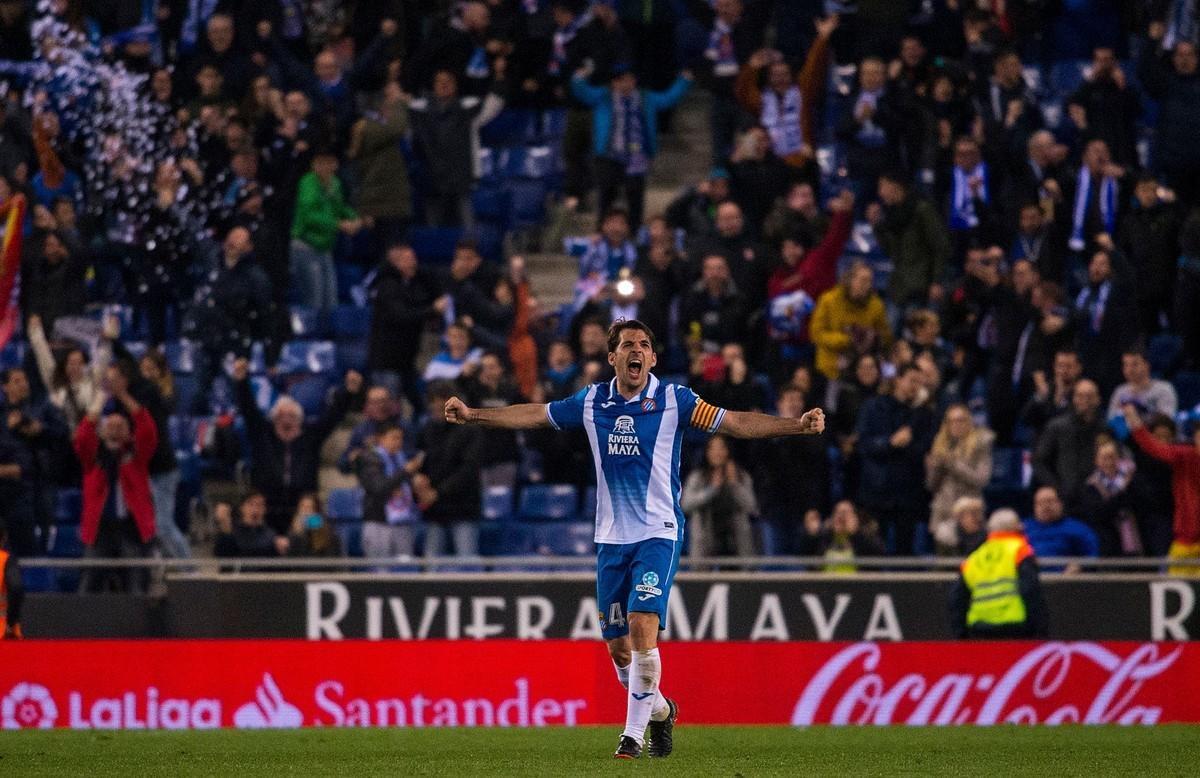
(1052,683)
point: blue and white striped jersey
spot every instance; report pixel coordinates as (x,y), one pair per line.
(635,448)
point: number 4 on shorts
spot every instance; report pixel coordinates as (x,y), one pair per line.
(615,617)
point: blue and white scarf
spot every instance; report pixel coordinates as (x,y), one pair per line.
(1094,301)
(607,261)
(870,134)
(962,201)
(198,12)
(720,50)
(1108,207)
(558,56)
(628,142)
(781,118)
(400,506)
(1181,23)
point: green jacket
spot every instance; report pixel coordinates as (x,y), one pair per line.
(916,239)
(383,187)
(318,211)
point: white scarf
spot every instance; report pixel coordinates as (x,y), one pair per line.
(781,117)
(962,205)
(1108,207)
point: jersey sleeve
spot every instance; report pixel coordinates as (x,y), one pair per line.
(699,413)
(567,412)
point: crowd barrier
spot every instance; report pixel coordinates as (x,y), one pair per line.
(192,684)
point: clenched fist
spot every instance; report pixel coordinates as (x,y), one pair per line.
(813,422)
(457,411)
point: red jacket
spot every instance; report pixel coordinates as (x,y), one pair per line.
(817,272)
(133,475)
(1185,482)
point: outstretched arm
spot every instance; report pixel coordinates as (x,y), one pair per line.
(760,425)
(525,416)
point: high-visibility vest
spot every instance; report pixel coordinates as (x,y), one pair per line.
(991,575)
(3,593)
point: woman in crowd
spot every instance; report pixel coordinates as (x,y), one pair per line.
(718,499)
(958,465)
(310,534)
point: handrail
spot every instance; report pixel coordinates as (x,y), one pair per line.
(584,563)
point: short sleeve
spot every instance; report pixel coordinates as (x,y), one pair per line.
(568,412)
(700,414)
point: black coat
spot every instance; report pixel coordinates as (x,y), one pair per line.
(237,309)
(893,478)
(399,309)
(1150,238)
(452,460)
(52,290)
(284,471)
(791,476)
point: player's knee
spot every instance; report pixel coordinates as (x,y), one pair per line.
(620,651)
(643,630)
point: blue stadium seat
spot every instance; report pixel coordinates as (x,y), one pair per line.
(185,390)
(564,538)
(505,538)
(1187,386)
(310,392)
(352,355)
(491,204)
(308,356)
(39,579)
(1163,351)
(553,126)
(528,162)
(12,355)
(511,126)
(548,502)
(528,202)
(64,542)
(306,322)
(344,504)
(68,504)
(497,503)
(350,321)
(434,244)
(349,275)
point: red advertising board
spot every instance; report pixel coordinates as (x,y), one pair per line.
(206,684)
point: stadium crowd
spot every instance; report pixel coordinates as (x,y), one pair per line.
(967,229)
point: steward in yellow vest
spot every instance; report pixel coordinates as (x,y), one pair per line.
(998,594)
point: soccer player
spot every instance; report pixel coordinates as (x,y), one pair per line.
(635,424)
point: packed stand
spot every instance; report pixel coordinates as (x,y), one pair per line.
(248,226)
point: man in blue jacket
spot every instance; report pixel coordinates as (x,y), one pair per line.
(1053,534)
(625,133)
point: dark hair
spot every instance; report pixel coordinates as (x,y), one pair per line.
(466,244)
(59,379)
(1135,350)
(439,389)
(1162,420)
(616,211)
(7,373)
(387,426)
(1069,352)
(249,495)
(622,325)
(896,176)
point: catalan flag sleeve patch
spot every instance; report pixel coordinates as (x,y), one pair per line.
(707,417)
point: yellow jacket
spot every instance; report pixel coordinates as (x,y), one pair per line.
(832,320)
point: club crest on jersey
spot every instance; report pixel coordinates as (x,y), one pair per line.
(623,440)
(648,404)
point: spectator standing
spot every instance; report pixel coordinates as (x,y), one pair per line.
(718,498)
(782,497)
(383,193)
(1152,492)
(1149,236)
(849,320)
(446,129)
(1066,449)
(389,511)
(456,358)
(870,127)
(311,534)
(1172,79)
(625,133)
(894,435)
(1107,503)
(1184,462)
(52,280)
(404,298)
(1053,397)
(251,537)
(71,381)
(1149,395)
(379,410)
(910,231)
(842,540)
(37,431)
(796,214)
(998,593)
(284,451)
(732,39)
(958,465)
(447,488)
(114,451)
(713,311)
(321,213)
(1106,316)
(1106,107)
(1187,291)
(1054,534)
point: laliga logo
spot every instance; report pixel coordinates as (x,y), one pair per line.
(1044,671)
(28,705)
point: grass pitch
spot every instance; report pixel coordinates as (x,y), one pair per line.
(715,751)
